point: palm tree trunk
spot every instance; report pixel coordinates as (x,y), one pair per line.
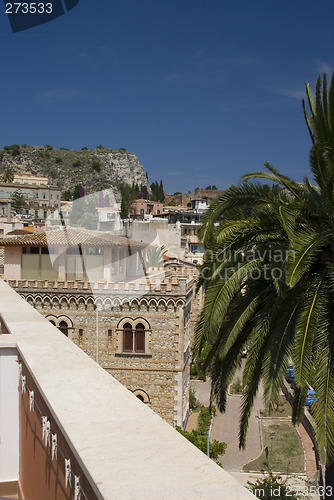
(329,482)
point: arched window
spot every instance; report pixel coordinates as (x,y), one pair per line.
(52,322)
(63,327)
(139,396)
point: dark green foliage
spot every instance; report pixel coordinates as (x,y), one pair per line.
(100,147)
(76,163)
(194,404)
(268,273)
(18,201)
(122,150)
(24,146)
(129,195)
(77,193)
(96,165)
(199,437)
(144,191)
(52,173)
(13,150)
(58,160)
(177,192)
(158,193)
(273,487)
(44,154)
(200,441)
(125,209)
(84,148)
(204,419)
(196,372)
(66,195)
(237,387)
(48,147)
(8,175)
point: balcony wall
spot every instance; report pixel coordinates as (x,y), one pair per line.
(118,448)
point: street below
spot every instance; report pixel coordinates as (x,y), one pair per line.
(226,426)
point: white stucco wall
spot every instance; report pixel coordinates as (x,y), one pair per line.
(12,267)
(9,416)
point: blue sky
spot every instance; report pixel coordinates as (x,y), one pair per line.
(201,91)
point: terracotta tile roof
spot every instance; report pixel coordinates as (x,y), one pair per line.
(17,232)
(71,237)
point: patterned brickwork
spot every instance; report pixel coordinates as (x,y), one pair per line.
(159,376)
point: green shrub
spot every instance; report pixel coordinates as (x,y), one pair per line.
(273,486)
(196,373)
(237,387)
(199,440)
(76,163)
(53,174)
(194,404)
(13,150)
(58,160)
(204,419)
(96,165)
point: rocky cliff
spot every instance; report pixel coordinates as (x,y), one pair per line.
(94,169)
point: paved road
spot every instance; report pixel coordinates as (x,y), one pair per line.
(226,427)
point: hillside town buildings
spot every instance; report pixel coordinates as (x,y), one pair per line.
(41,199)
(97,287)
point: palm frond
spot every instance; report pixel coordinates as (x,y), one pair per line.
(311,310)
(306,248)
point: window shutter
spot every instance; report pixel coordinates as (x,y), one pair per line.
(140,338)
(127,338)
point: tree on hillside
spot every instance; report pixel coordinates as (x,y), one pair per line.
(129,195)
(158,193)
(268,275)
(18,201)
(13,150)
(78,192)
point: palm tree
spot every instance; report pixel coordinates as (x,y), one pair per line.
(268,274)
(8,175)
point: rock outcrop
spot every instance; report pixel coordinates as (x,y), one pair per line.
(95,169)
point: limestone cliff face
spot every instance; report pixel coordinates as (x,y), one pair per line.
(94,169)
(123,167)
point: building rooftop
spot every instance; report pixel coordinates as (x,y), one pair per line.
(71,237)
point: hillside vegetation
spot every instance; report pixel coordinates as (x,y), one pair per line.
(95,169)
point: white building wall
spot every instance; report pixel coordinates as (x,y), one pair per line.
(9,416)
